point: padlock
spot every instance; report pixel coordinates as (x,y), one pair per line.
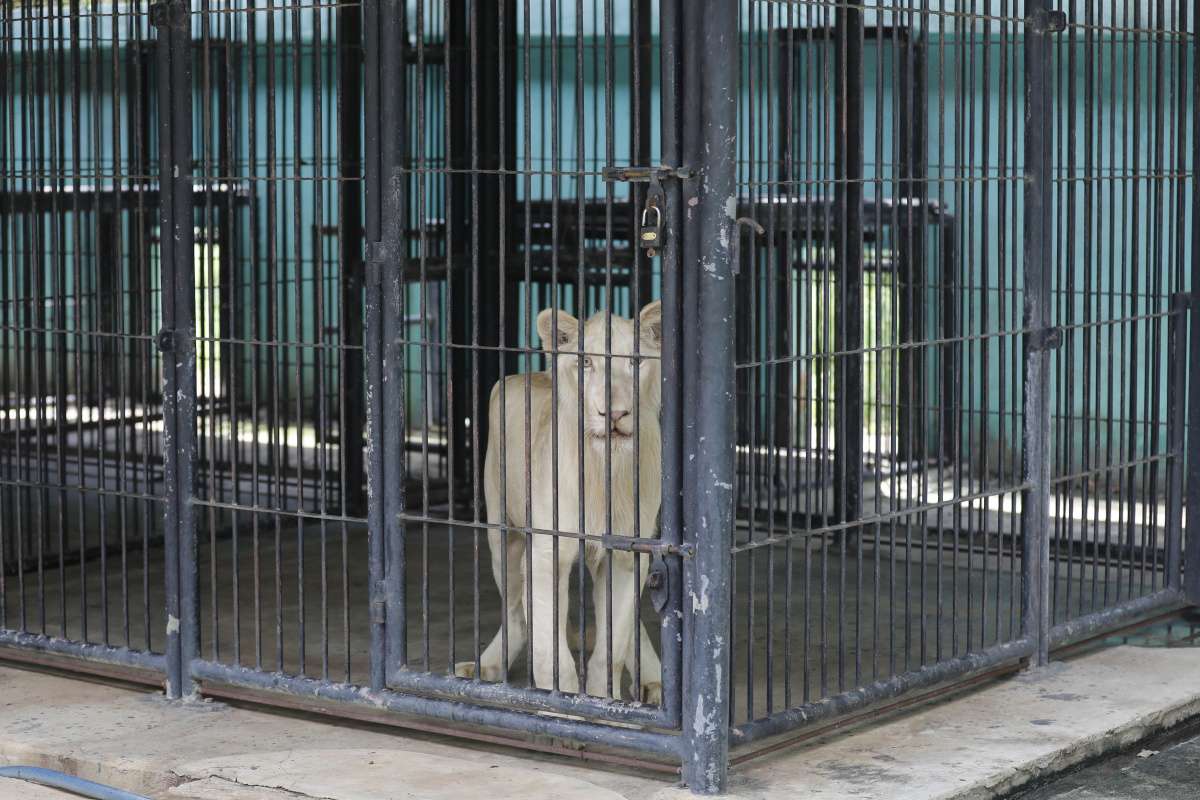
(650,234)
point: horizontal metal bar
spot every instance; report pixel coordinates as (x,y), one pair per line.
(646,174)
(877,519)
(377,716)
(658,743)
(1068,631)
(536,699)
(906,700)
(798,717)
(134,665)
(635,544)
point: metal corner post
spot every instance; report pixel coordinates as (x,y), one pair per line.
(714,57)
(393,145)
(1191,556)
(1035,508)
(384,131)
(176,339)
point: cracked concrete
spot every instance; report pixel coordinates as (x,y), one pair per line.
(977,745)
(399,773)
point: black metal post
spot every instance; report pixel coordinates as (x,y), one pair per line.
(912,422)
(373,342)
(1035,506)
(1191,580)
(1177,375)
(177,338)
(848,197)
(951,333)
(483,154)
(350,256)
(393,196)
(687,91)
(672,521)
(710,523)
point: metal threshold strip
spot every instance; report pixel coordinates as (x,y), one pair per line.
(369,713)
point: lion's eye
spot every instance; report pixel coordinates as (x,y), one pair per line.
(587,362)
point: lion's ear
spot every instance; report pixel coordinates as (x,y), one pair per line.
(650,322)
(551,323)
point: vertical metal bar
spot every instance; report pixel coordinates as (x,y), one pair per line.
(706,721)
(1191,581)
(350,257)
(392,146)
(848,195)
(689,32)
(177,338)
(1035,620)
(372,345)
(672,356)
(1177,369)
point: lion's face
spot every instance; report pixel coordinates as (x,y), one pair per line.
(611,406)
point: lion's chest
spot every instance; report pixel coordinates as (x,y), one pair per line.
(608,495)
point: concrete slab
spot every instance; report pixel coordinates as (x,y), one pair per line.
(988,743)
(394,773)
(980,745)
(137,741)
(23,790)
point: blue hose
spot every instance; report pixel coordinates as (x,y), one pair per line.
(68,783)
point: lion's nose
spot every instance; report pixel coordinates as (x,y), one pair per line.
(616,415)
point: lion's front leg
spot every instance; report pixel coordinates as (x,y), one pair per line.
(618,570)
(551,579)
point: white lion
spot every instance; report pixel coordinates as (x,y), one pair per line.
(608,427)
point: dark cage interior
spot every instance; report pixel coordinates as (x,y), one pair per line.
(261,267)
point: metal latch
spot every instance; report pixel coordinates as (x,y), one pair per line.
(645,174)
(377,611)
(656,581)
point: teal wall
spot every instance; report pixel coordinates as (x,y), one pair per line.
(1128,266)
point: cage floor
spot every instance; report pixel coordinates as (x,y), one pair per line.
(812,617)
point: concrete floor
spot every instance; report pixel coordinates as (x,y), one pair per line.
(985,743)
(831,615)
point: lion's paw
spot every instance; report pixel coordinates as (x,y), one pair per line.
(652,694)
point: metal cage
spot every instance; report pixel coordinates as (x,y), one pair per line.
(661,376)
